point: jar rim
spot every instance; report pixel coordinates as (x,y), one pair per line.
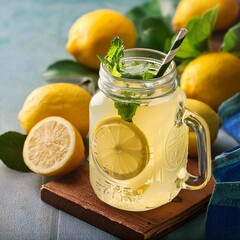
(170,71)
(127,89)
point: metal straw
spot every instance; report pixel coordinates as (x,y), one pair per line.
(172,52)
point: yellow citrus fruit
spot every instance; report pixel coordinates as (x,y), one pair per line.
(188,9)
(210,116)
(92,33)
(212,78)
(53,147)
(60,99)
(120,148)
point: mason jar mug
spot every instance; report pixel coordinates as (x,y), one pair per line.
(138,138)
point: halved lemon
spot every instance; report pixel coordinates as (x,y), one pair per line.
(120,148)
(53,147)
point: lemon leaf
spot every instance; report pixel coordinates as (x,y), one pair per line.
(71,72)
(153,23)
(11,146)
(164,9)
(115,52)
(156,38)
(199,32)
(231,41)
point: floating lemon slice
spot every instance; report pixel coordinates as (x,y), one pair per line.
(53,147)
(120,148)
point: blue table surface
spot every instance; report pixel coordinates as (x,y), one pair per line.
(33,35)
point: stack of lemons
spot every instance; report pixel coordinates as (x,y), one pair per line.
(56,116)
(213,77)
(208,80)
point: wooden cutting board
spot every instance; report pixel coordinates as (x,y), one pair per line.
(74,195)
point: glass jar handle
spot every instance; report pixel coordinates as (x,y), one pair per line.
(200,127)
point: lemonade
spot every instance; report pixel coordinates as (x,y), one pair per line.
(138,161)
(156,183)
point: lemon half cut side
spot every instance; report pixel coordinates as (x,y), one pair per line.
(53,147)
(120,148)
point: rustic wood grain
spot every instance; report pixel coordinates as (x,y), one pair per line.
(74,195)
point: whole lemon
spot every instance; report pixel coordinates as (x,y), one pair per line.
(188,9)
(92,33)
(65,100)
(210,116)
(212,78)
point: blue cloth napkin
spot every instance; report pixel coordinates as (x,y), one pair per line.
(223,214)
(229,112)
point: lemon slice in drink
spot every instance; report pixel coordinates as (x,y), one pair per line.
(53,147)
(120,148)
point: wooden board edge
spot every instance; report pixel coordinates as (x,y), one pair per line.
(178,221)
(88,216)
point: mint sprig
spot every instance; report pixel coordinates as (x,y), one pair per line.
(115,65)
(114,56)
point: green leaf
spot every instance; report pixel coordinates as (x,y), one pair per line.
(231,41)
(114,57)
(11,147)
(153,23)
(150,22)
(135,15)
(126,110)
(72,72)
(115,52)
(164,9)
(156,38)
(167,9)
(199,32)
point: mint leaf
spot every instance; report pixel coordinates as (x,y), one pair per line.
(114,56)
(11,146)
(72,72)
(126,110)
(231,41)
(199,33)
